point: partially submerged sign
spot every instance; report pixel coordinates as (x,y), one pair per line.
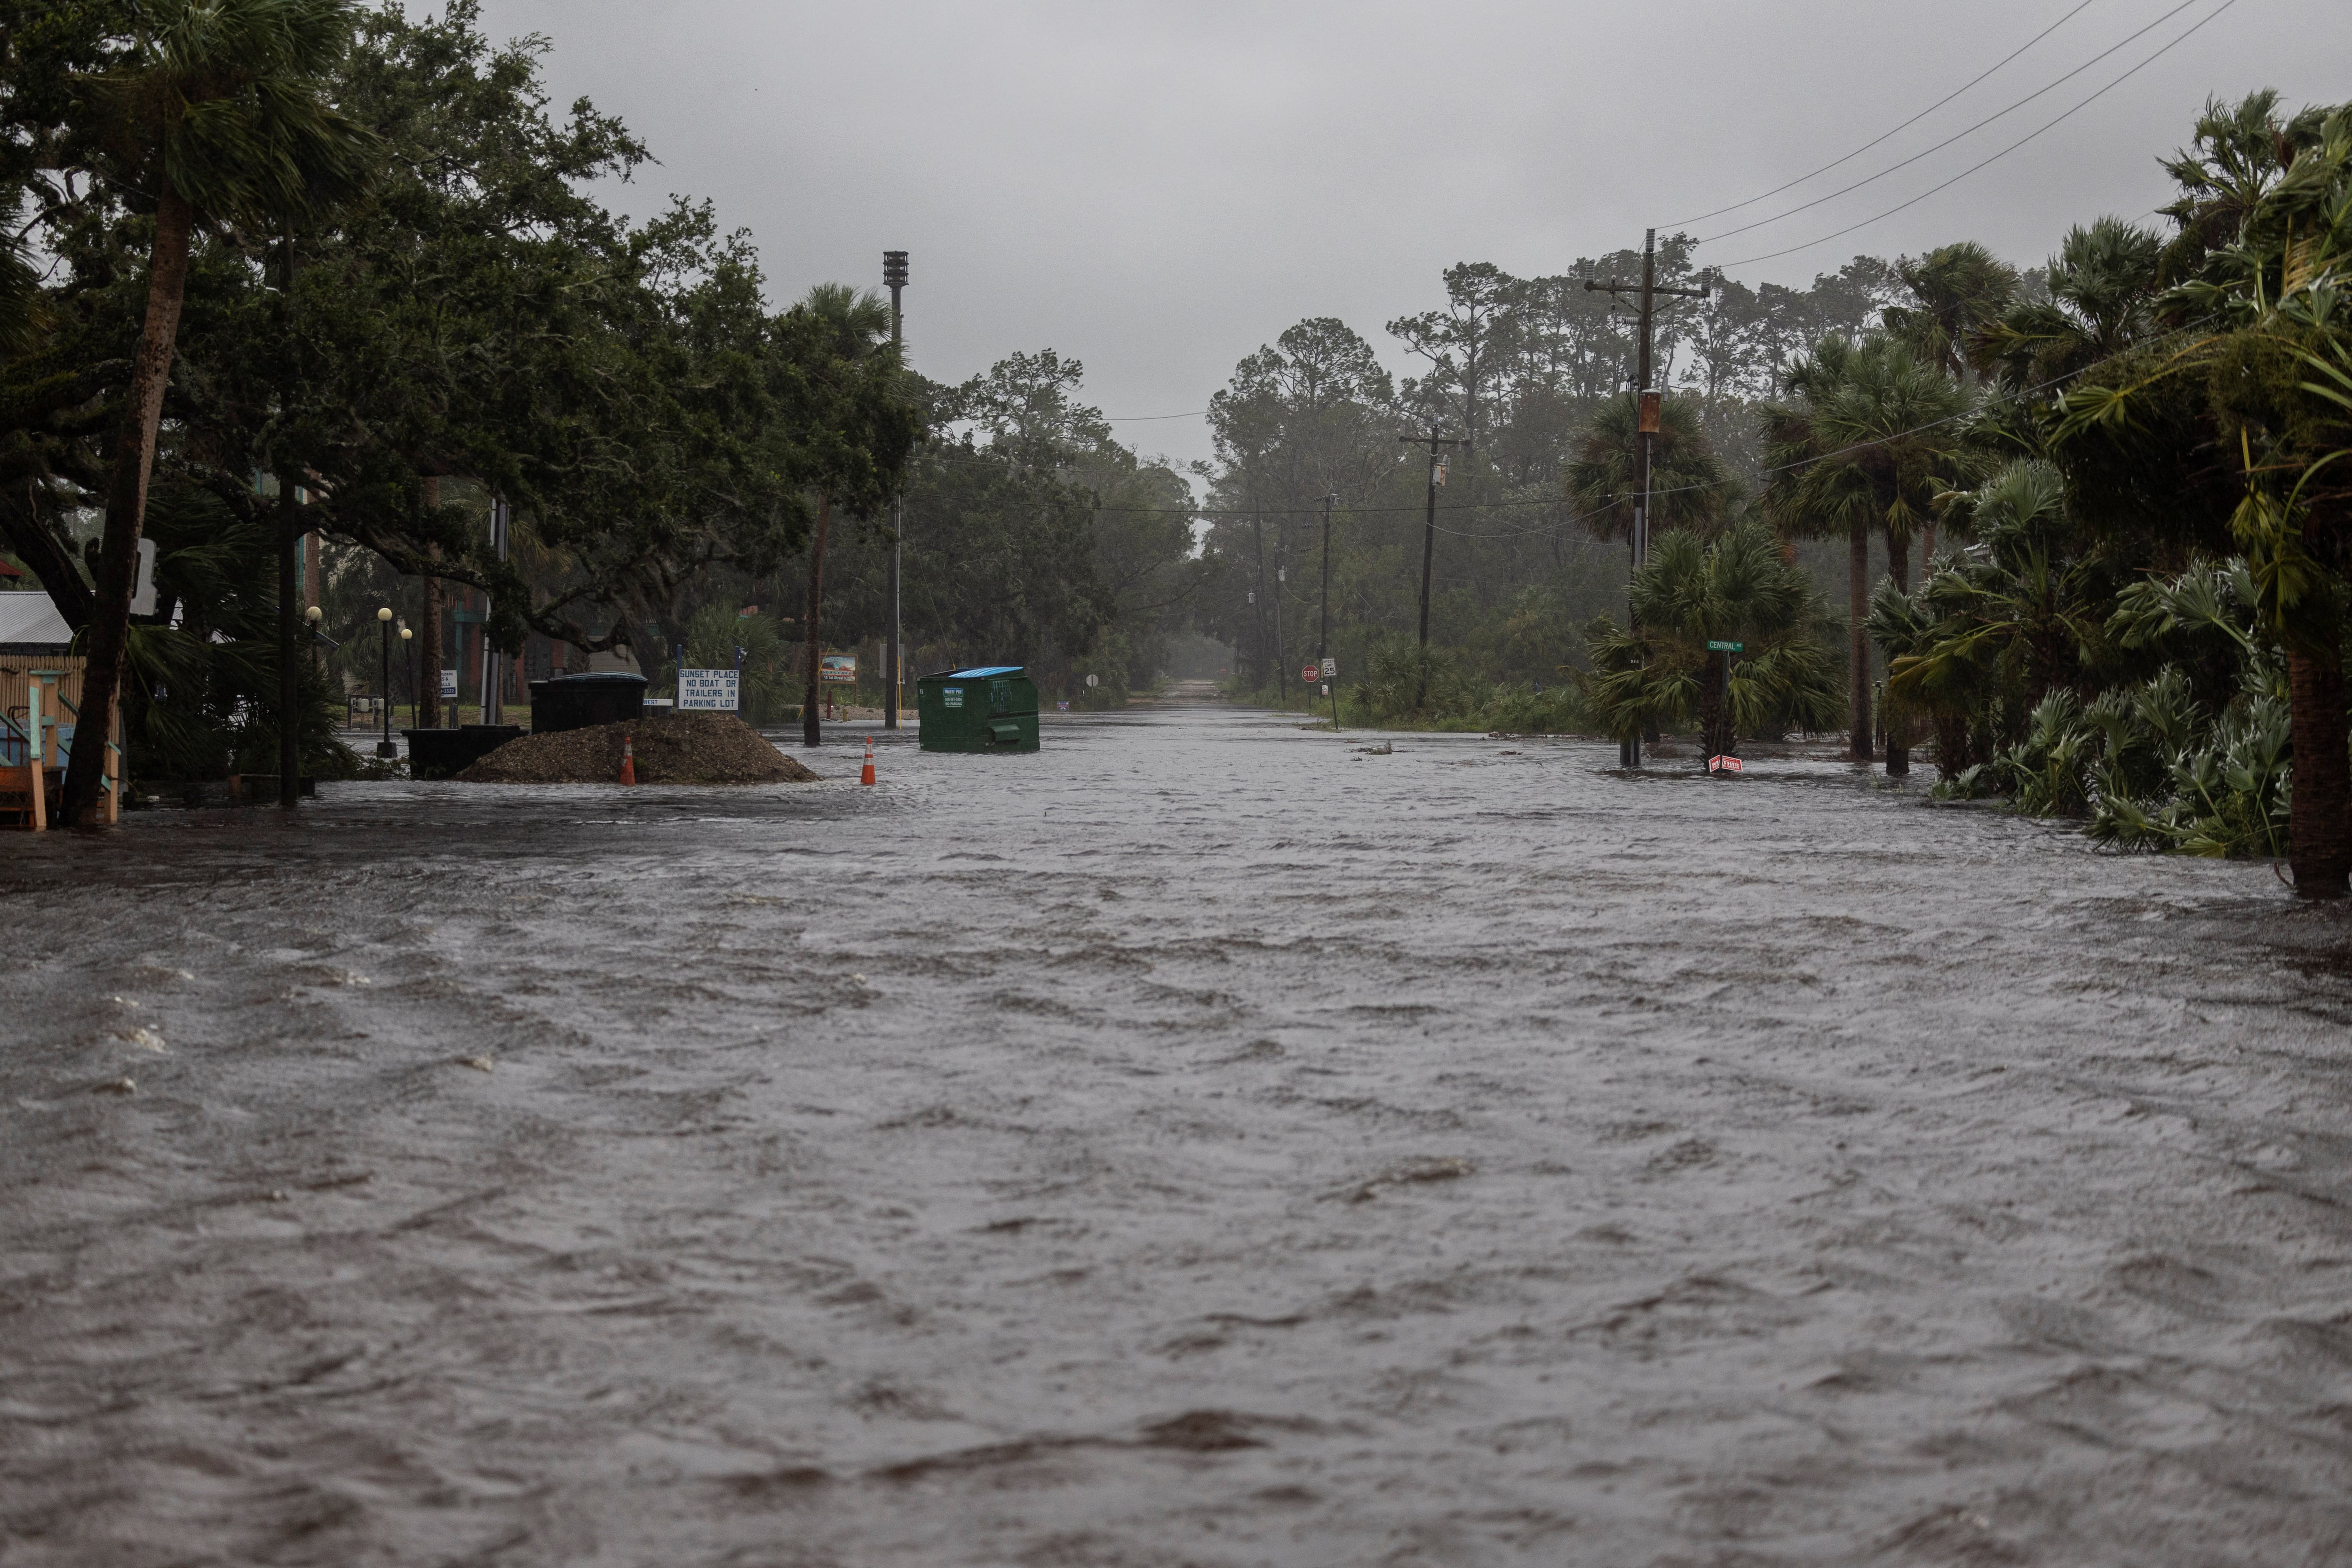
(709,690)
(1723,764)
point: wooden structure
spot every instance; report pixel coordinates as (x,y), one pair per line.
(40,696)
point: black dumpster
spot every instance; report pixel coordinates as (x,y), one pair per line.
(437,754)
(992,708)
(580,702)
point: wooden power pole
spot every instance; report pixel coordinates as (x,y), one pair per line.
(1646,400)
(1437,444)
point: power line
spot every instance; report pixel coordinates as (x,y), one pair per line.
(1145,418)
(1906,125)
(1960,135)
(1964,174)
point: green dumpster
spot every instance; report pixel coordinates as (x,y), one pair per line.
(990,709)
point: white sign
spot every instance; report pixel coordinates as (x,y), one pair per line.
(143,591)
(1330,670)
(709,690)
(450,684)
(951,696)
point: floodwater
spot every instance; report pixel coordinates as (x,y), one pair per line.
(1198,1143)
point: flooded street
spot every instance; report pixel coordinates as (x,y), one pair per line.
(1197,1143)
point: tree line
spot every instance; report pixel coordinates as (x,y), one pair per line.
(295,267)
(2123,478)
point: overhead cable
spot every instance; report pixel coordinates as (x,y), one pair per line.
(1960,135)
(1964,174)
(1906,125)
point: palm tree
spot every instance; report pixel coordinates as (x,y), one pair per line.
(1996,627)
(1687,482)
(2235,157)
(1690,593)
(219,116)
(2103,300)
(2276,371)
(1957,290)
(1871,437)
(859,326)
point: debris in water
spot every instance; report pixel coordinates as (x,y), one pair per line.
(480,1064)
(1409,1173)
(145,1039)
(116,1085)
(672,749)
(1382,750)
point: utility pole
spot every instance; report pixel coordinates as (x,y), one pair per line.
(1435,443)
(894,273)
(1646,400)
(1258,595)
(1323,633)
(1281,654)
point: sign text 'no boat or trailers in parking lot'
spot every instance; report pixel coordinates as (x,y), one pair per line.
(709,691)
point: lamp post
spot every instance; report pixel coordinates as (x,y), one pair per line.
(314,614)
(384,748)
(894,275)
(408,666)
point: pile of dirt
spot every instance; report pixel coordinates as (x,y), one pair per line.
(673,747)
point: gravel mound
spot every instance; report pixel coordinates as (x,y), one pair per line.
(677,748)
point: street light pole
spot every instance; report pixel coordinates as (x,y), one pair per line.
(384,748)
(289,679)
(894,273)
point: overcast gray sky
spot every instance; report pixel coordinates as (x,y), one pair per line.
(1158,189)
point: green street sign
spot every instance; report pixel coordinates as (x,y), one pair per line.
(1726,647)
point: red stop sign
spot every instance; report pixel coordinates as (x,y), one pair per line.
(1307,673)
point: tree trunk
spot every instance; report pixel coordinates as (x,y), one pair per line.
(428,629)
(1858,586)
(810,734)
(126,508)
(2319,812)
(29,539)
(1898,724)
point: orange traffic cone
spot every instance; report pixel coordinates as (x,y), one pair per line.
(868,776)
(628,759)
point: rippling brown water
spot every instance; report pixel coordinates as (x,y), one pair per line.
(1197,1143)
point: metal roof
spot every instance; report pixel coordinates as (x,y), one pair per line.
(28,621)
